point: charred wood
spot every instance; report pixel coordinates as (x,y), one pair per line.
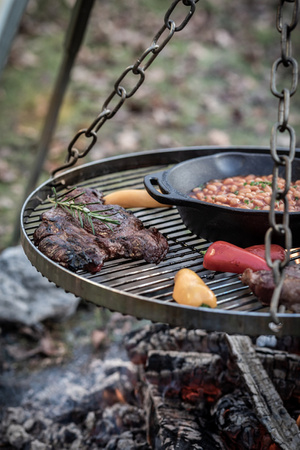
(282,366)
(195,378)
(238,424)
(266,401)
(289,344)
(192,404)
(283,369)
(248,412)
(139,343)
(179,389)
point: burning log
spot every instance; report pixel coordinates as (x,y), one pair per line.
(244,409)
(238,425)
(283,368)
(139,343)
(191,377)
(289,344)
(190,389)
(188,405)
(177,386)
(266,401)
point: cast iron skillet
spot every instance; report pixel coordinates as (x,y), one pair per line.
(212,222)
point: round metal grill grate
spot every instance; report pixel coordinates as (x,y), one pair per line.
(139,288)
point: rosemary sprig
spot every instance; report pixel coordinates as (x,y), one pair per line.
(81,210)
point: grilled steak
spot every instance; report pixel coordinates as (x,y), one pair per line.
(262,285)
(63,239)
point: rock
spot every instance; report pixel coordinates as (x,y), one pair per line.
(90,420)
(124,442)
(69,433)
(15,415)
(17,436)
(26,297)
(37,445)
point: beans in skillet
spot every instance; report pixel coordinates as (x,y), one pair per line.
(247,192)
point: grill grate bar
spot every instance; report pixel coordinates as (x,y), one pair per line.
(121,180)
(139,277)
(150,281)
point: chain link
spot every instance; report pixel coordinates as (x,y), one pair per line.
(160,40)
(284,160)
(142,63)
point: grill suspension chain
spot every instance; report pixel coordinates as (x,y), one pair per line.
(119,93)
(285,27)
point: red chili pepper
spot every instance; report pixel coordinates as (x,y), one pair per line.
(277,252)
(225,257)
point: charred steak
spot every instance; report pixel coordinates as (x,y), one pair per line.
(262,285)
(63,239)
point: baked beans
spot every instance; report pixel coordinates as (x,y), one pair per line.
(250,192)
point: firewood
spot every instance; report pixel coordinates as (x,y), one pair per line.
(238,423)
(191,377)
(178,385)
(139,343)
(283,369)
(247,396)
(265,399)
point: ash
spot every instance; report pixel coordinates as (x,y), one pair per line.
(65,377)
(74,376)
(79,400)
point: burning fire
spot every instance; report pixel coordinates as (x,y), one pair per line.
(195,392)
(112,396)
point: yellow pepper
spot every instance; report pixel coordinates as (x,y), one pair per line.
(190,289)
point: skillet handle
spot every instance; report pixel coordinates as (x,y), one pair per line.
(155,186)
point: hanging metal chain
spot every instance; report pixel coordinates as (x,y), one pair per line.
(119,93)
(284,160)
